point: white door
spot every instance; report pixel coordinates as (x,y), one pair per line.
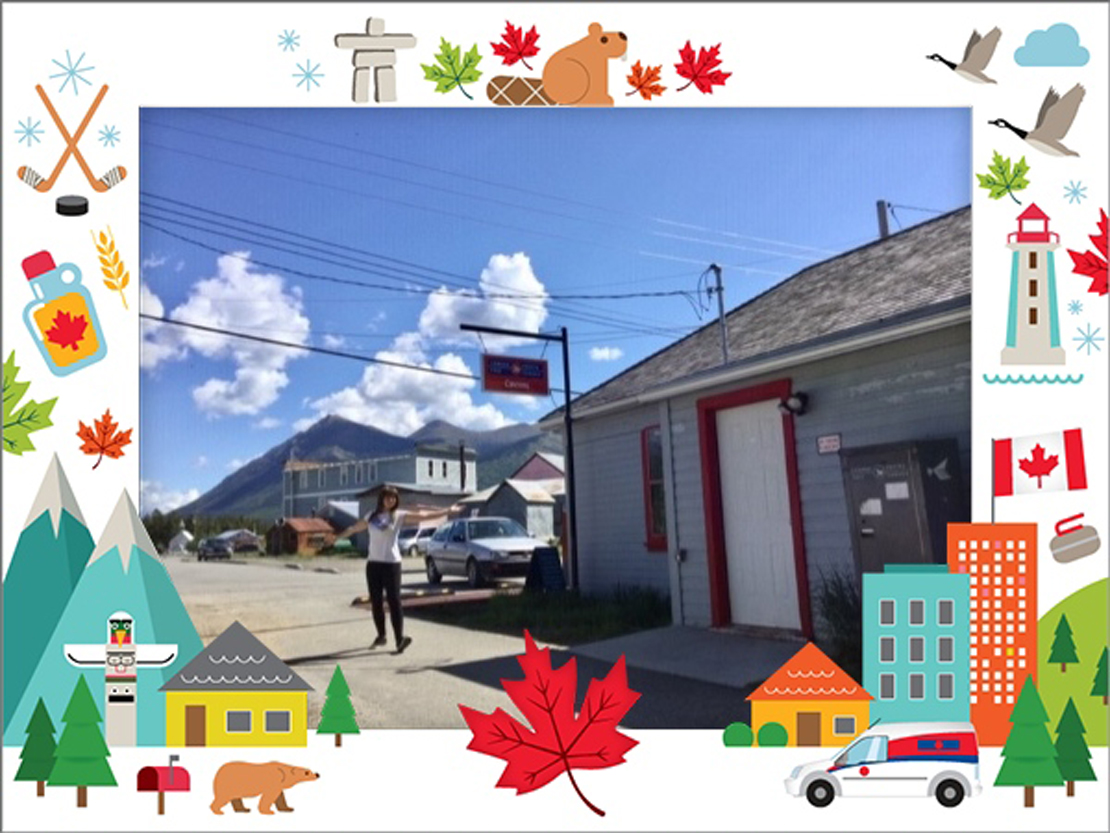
(755,503)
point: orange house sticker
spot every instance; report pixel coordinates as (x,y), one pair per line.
(813,699)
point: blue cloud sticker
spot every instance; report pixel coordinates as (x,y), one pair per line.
(1057,46)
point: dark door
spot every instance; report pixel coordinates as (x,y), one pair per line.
(195,730)
(809,729)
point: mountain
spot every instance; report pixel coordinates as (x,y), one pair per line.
(121,575)
(49,556)
(255,489)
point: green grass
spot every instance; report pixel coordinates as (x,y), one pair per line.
(557,618)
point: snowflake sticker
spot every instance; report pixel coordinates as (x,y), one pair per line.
(1075,192)
(71,72)
(308,75)
(29,132)
(1088,340)
(1075,307)
(289,40)
(109,136)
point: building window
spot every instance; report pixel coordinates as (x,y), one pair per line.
(886,649)
(444,468)
(945,687)
(278,722)
(917,649)
(358,472)
(917,611)
(304,479)
(343,475)
(946,612)
(844,725)
(431,468)
(655,513)
(320,478)
(917,686)
(886,686)
(1032,260)
(238,722)
(1033,316)
(946,647)
(1032,289)
(886,612)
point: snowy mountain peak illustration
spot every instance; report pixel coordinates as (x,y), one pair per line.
(124,531)
(55,494)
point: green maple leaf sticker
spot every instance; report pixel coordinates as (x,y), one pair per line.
(31,416)
(451,70)
(1002,180)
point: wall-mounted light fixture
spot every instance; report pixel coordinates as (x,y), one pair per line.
(794,404)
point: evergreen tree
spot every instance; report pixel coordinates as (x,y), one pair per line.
(38,751)
(1063,646)
(1098,689)
(1029,756)
(338,715)
(81,759)
(1072,755)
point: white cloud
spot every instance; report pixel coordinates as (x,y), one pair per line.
(153,495)
(267,423)
(238,463)
(240,299)
(153,261)
(605,354)
(334,342)
(200,462)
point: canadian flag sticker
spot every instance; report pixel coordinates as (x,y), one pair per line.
(1042,463)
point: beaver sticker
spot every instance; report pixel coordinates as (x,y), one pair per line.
(237,780)
(577,75)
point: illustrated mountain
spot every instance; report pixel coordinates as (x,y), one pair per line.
(122,575)
(49,556)
(255,489)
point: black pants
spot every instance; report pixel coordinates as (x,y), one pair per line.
(385,576)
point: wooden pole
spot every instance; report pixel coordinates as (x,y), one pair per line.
(161,803)
(82,796)
(1071,789)
(338,739)
(1028,796)
(41,789)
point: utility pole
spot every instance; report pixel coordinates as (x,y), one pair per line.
(568,429)
(881,207)
(720,290)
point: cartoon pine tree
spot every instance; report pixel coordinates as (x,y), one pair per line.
(1063,646)
(338,715)
(81,759)
(38,751)
(1072,755)
(1029,756)
(1099,687)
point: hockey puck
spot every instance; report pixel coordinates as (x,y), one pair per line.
(71,206)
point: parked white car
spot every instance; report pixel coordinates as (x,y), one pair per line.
(896,759)
(479,549)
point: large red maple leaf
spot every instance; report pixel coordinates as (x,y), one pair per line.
(68,331)
(1038,465)
(516,45)
(1089,263)
(559,741)
(700,68)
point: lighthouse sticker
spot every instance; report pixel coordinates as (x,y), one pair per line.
(1033,327)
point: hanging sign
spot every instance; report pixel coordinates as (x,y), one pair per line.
(510,374)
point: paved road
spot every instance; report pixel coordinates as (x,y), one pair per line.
(307,619)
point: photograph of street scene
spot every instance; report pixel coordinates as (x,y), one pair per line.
(766,316)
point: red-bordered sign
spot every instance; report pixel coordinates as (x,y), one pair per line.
(512,374)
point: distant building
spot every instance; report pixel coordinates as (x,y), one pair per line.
(300,536)
(306,486)
(1000,562)
(915,643)
(180,542)
(241,539)
(412,494)
(531,503)
(541,466)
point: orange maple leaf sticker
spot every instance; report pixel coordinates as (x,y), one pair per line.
(1038,465)
(68,331)
(105,440)
(646,83)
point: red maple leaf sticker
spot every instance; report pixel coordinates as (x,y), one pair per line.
(701,68)
(1038,465)
(68,331)
(559,740)
(105,440)
(516,45)
(1089,263)
(645,81)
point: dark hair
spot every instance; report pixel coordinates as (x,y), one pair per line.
(386,491)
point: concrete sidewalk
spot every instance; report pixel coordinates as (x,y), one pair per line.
(712,656)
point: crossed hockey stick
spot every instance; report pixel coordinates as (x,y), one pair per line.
(44,184)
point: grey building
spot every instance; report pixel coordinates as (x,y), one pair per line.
(307,486)
(528,502)
(736,486)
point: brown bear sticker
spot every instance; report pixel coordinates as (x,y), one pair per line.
(237,780)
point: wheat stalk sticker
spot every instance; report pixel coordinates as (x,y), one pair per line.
(116,277)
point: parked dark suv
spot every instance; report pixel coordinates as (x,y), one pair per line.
(213,548)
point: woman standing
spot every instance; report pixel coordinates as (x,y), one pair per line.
(383,563)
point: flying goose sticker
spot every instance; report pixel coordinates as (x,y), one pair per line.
(1053,122)
(977,54)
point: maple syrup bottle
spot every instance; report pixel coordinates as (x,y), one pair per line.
(62,318)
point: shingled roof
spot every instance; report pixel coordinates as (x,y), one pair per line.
(923,270)
(810,675)
(236,661)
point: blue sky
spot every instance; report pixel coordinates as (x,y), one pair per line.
(266,222)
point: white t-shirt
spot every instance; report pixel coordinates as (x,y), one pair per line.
(383,540)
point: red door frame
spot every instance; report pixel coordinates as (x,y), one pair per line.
(720,606)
